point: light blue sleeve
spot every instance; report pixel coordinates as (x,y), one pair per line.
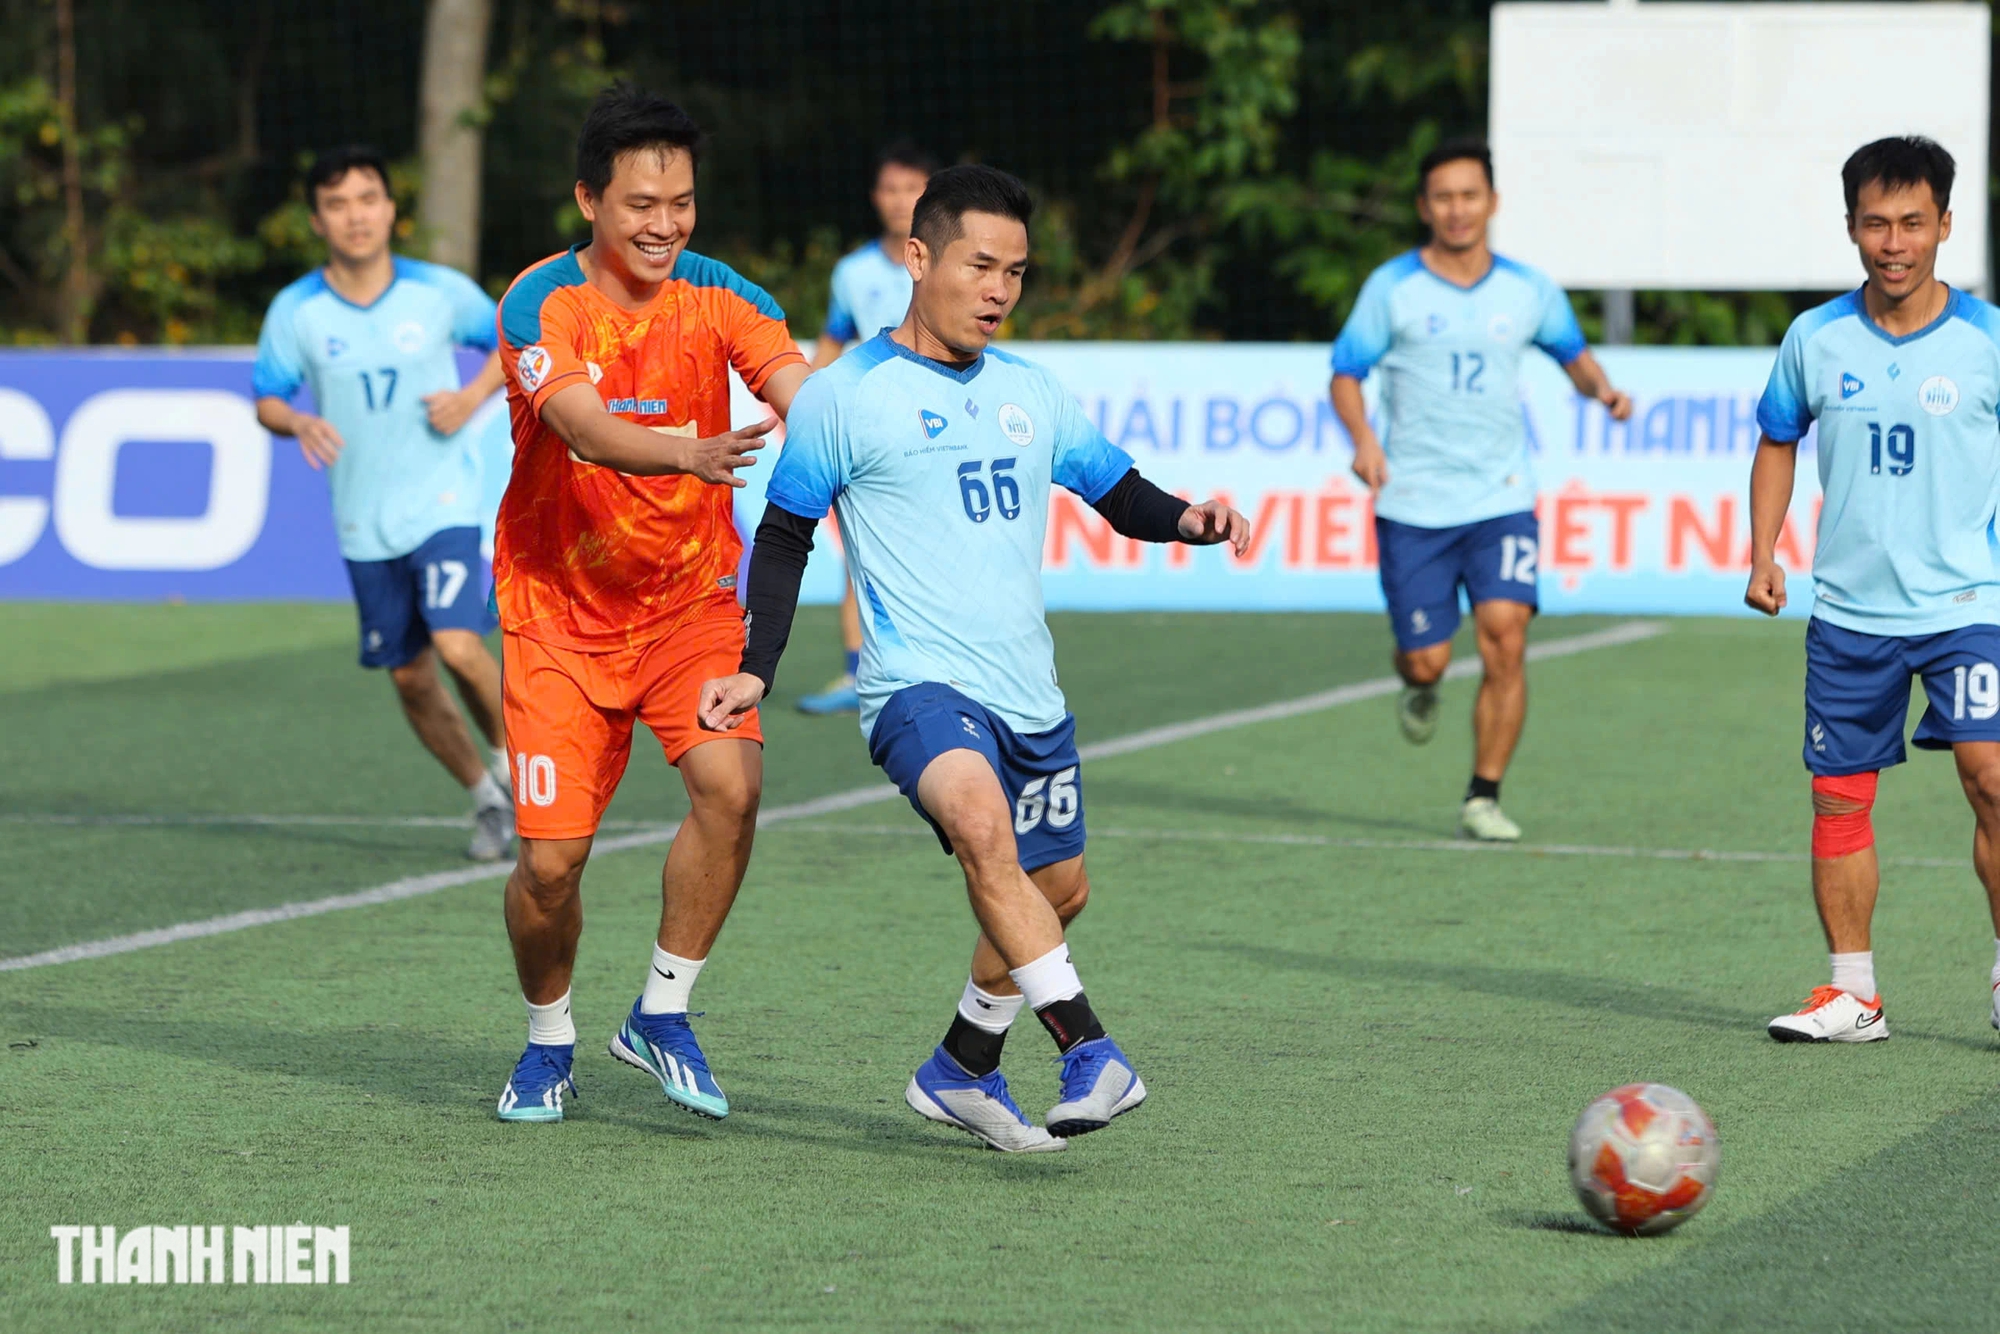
(280,368)
(1085,462)
(1365,338)
(816,463)
(1558,334)
(840,324)
(1783,413)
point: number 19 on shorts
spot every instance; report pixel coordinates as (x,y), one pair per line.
(1975,691)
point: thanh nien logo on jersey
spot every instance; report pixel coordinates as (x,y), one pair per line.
(1850,385)
(1937,395)
(533,367)
(1016,424)
(933,424)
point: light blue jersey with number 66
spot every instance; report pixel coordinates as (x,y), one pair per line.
(397,481)
(941,478)
(1909,459)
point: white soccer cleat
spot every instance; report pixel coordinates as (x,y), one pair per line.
(1996,1005)
(1481,818)
(1417,713)
(1832,1015)
(492,833)
(943,1091)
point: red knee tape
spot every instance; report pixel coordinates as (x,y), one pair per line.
(1841,835)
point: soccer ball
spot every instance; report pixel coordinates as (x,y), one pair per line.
(1643,1158)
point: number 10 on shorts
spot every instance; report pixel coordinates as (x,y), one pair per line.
(1977,686)
(534,779)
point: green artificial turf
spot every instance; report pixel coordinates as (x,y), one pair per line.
(1365,1043)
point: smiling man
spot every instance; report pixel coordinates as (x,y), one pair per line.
(615,563)
(938,451)
(1449,324)
(1903,379)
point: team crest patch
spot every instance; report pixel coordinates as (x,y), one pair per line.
(933,424)
(1016,424)
(533,367)
(1501,329)
(1937,395)
(409,337)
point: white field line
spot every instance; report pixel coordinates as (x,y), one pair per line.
(1410,845)
(410,887)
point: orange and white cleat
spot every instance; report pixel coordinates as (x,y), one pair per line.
(1832,1015)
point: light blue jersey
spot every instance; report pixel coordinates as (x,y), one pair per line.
(1451,401)
(941,479)
(397,481)
(1909,459)
(871,292)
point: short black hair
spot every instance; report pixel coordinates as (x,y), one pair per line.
(1455,150)
(1898,161)
(957,191)
(625,118)
(329,167)
(905,153)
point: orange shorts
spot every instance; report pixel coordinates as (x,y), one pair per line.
(569,716)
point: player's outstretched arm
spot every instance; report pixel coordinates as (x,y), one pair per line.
(783,384)
(1771,476)
(1591,381)
(1135,508)
(576,414)
(777,564)
(318,441)
(1371,465)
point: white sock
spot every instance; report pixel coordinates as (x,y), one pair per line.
(487,793)
(1855,973)
(1048,979)
(500,769)
(1996,961)
(983,1009)
(550,1025)
(668,983)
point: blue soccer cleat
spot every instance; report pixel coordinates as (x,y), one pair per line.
(535,1092)
(664,1047)
(1098,1083)
(945,1092)
(838,697)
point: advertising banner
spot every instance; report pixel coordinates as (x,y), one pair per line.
(144,475)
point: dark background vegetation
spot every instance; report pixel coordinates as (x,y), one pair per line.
(1206,168)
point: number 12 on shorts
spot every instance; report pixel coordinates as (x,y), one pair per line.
(1978,687)
(1054,799)
(1517,558)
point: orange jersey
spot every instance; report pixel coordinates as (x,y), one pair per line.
(586,557)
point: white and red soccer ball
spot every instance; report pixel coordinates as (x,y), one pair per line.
(1643,1158)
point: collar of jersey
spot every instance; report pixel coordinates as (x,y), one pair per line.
(963,377)
(399,267)
(1897,340)
(1492,267)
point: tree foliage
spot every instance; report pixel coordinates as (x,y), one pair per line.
(1204,168)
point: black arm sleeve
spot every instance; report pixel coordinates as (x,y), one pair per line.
(777,563)
(1137,508)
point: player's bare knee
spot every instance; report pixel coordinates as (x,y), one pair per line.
(1424,666)
(1982,787)
(1072,906)
(550,871)
(461,651)
(415,679)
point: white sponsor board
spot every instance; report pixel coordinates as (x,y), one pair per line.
(1644,516)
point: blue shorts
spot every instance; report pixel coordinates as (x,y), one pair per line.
(1495,560)
(1858,694)
(1039,773)
(439,586)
